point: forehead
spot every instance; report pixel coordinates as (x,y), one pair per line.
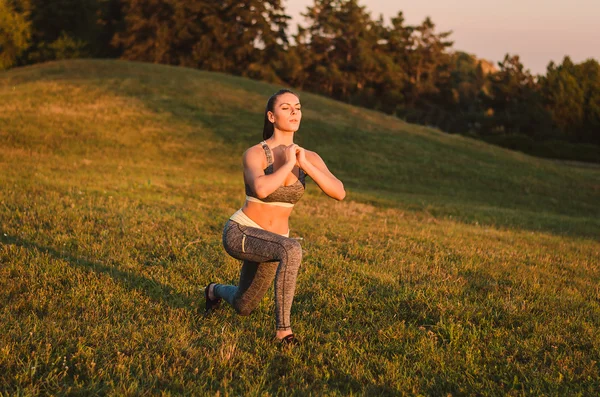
(287,98)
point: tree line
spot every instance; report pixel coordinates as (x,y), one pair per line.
(341,51)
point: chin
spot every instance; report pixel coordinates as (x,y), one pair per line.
(289,128)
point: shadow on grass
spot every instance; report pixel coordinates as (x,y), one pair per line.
(156,291)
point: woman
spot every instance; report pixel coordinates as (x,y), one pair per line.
(258,233)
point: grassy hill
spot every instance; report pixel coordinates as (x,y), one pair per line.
(453,266)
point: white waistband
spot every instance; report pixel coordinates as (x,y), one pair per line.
(240,217)
(277,203)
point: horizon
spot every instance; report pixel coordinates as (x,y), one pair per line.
(477,30)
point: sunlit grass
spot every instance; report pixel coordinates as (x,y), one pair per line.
(452,267)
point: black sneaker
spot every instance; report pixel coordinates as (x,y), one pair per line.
(289,340)
(211,304)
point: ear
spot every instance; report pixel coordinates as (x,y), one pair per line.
(271,116)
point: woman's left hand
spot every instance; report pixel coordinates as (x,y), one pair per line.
(301,157)
(313,166)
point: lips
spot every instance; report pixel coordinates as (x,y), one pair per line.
(293,121)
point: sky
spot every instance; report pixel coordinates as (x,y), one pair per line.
(539,31)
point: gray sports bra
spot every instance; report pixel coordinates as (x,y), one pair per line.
(284,196)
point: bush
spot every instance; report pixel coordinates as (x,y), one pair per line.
(521,143)
(554,149)
(568,151)
(67,47)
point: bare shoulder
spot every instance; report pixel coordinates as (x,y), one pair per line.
(254,154)
(253,151)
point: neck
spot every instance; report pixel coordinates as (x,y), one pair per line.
(282,137)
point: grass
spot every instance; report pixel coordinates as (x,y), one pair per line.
(453,267)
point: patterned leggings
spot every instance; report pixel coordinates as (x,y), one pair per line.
(266,256)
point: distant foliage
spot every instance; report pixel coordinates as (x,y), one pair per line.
(342,56)
(340,51)
(244,38)
(572,95)
(15,33)
(63,29)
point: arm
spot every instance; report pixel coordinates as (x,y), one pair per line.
(315,167)
(255,177)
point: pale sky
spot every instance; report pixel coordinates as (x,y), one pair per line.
(539,31)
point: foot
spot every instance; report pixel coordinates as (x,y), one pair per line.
(212,302)
(287,338)
(283,333)
(211,291)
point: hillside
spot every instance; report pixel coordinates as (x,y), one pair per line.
(121,113)
(453,266)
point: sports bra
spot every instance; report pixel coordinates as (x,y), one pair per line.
(284,196)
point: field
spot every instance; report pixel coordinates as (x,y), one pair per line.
(451,268)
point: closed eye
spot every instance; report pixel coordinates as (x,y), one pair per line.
(286,106)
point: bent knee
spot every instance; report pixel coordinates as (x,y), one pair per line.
(294,248)
(244,310)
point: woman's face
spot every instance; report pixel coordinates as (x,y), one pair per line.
(286,114)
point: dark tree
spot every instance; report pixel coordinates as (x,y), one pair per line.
(563,97)
(428,62)
(15,33)
(344,56)
(161,31)
(61,29)
(110,21)
(241,37)
(515,100)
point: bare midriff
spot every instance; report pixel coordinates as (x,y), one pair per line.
(269,217)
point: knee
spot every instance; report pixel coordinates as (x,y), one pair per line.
(243,308)
(294,249)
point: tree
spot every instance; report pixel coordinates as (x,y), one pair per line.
(318,40)
(346,59)
(240,37)
(243,37)
(517,101)
(588,75)
(111,21)
(398,40)
(428,63)
(61,28)
(15,34)
(161,31)
(469,86)
(563,97)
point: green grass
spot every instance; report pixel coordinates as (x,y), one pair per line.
(452,267)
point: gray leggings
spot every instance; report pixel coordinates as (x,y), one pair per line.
(266,256)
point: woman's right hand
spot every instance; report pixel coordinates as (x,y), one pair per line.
(290,153)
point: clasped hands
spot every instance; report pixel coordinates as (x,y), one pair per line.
(296,154)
